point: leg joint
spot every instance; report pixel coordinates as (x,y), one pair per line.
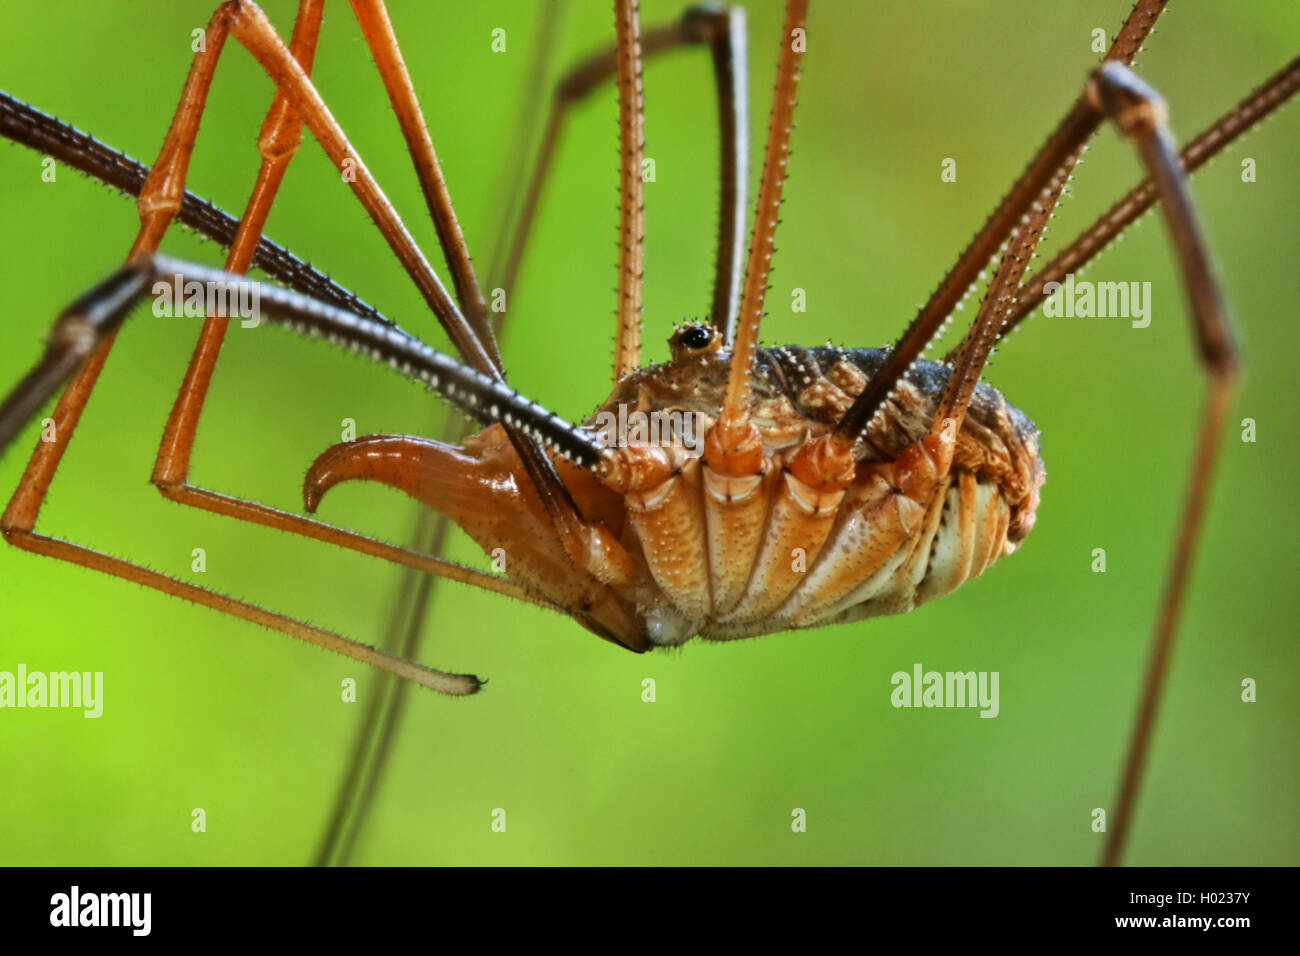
(1131,102)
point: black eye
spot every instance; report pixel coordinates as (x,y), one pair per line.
(696,337)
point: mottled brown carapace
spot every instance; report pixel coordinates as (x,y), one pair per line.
(676,549)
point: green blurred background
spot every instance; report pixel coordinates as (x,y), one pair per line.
(205,711)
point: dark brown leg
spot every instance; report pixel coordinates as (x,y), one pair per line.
(1056,157)
(1116,92)
(1141,115)
(96,316)
(49,136)
(1244,116)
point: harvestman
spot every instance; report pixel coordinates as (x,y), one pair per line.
(890,479)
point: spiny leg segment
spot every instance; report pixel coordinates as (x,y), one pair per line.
(23,123)
(94,318)
(723,29)
(631,215)
(160,199)
(1057,155)
(88,326)
(735,467)
(1269,96)
(1115,92)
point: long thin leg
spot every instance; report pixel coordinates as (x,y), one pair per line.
(49,136)
(731,81)
(297,100)
(631,205)
(723,29)
(246,22)
(85,331)
(734,458)
(1116,92)
(763,240)
(90,325)
(27,125)
(1141,115)
(454,684)
(81,330)
(1244,116)
(278,143)
(1057,155)
(378,31)
(19,519)
(161,198)
(371,748)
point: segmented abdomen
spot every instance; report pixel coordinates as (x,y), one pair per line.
(923,550)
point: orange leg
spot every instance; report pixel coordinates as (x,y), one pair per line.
(298,101)
(723,29)
(279,140)
(19,521)
(734,463)
(631,219)
(158,203)
(473,335)
(378,30)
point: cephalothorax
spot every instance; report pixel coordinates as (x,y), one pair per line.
(792,488)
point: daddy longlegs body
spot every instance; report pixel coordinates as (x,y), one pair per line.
(643,597)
